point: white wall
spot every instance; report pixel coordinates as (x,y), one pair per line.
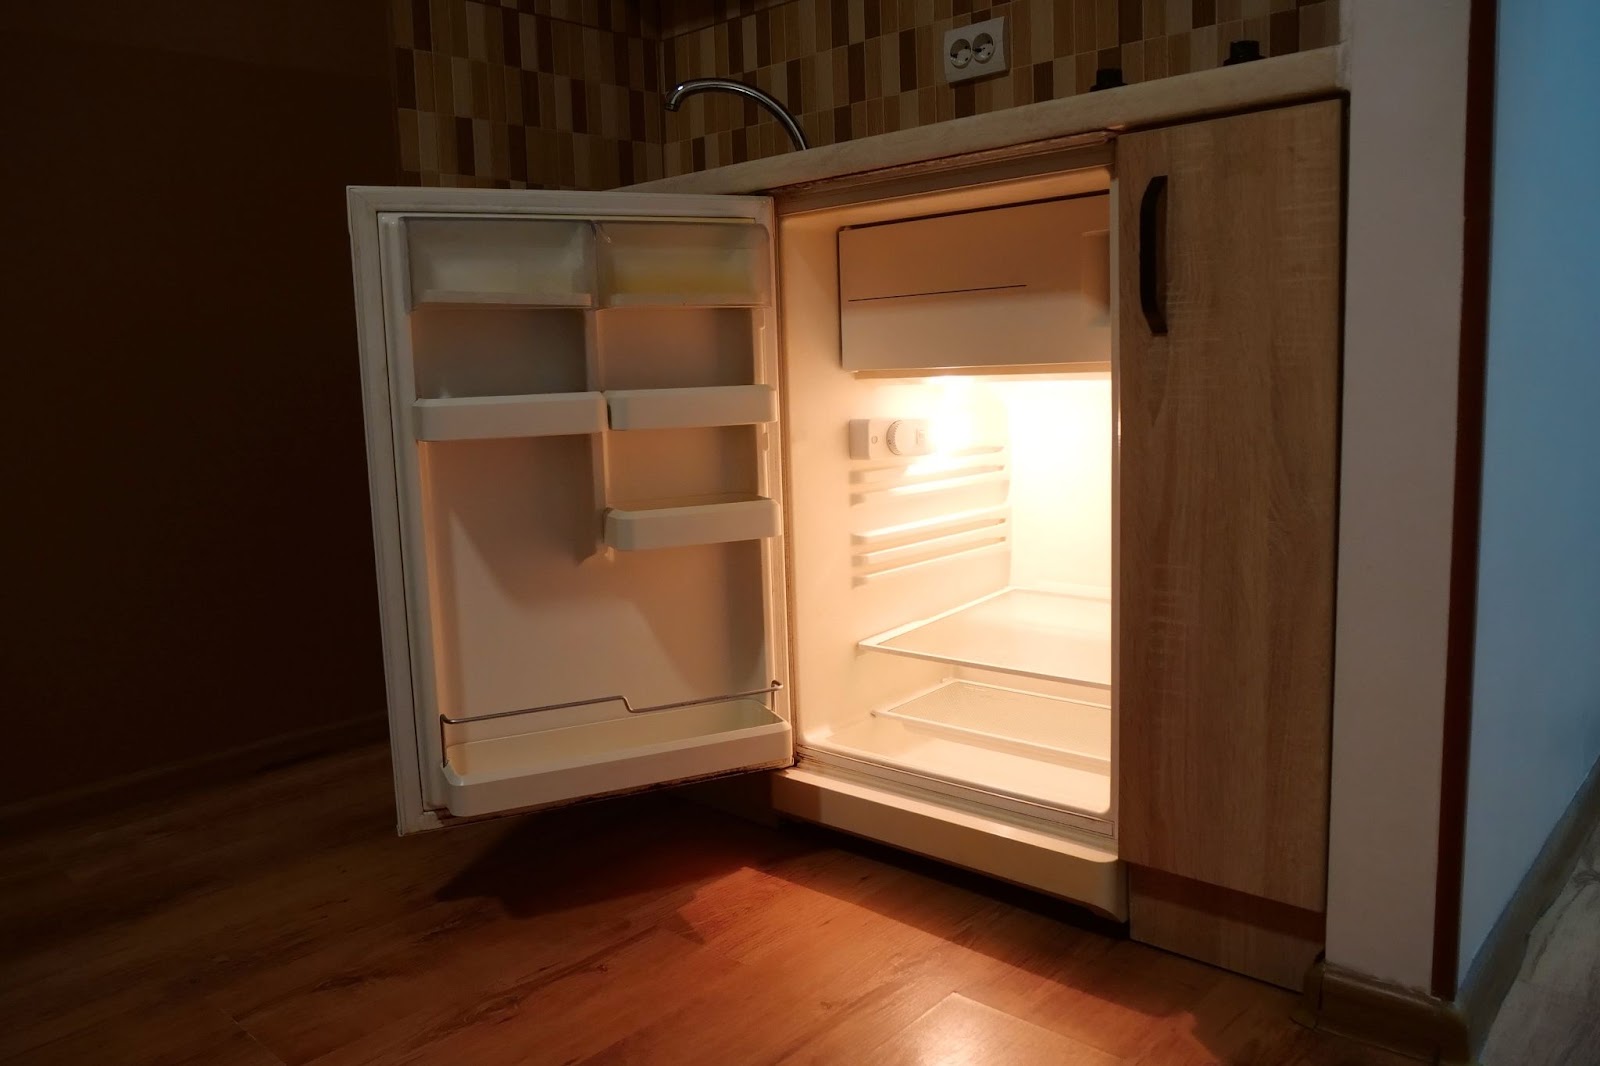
(1536,684)
(1406,71)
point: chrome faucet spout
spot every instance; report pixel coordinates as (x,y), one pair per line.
(701,85)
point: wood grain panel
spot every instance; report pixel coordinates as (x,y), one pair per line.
(1259,938)
(1228,488)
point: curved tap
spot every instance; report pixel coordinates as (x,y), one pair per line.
(765,99)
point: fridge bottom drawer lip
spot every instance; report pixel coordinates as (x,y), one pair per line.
(506,784)
(960,795)
(1074,867)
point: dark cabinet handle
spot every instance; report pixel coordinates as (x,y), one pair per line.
(1155,315)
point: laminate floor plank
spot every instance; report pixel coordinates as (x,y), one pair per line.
(1114,996)
(962,1032)
(279,922)
(173,1033)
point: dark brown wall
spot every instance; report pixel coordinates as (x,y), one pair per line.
(187,545)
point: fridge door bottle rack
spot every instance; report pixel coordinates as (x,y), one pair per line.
(498,366)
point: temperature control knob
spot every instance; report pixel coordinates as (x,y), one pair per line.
(908,436)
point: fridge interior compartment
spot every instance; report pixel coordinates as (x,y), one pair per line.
(459,352)
(493,417)
(541,767)
(1029,632)
(713,405)
(675,523)
(706,263)
(649,465)
(501,261)
(676,347)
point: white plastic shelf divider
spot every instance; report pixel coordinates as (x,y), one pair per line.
(684,299)
(702,520)
(550,765)
(452,298)
(718,405)
(491,417)
(1031,633)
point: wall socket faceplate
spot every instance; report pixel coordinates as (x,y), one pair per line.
(975,51)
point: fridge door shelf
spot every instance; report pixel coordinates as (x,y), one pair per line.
(492,417)
(683,299)
(467,298)
(705,263)
(721,405)
(674,743)
(500,262)
(699,520)
(1048,635)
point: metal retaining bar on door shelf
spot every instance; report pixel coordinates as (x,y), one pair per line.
(445,719)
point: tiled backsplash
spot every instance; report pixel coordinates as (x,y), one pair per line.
(554,94)
(567,93)
(854,68)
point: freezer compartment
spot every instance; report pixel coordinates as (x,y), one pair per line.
(1008,286)
(618,755)
(696,264)
(504,262)
(493,417)
(698,520)
(1074,866)
(1031,633)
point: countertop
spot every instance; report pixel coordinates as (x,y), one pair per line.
(1300,75)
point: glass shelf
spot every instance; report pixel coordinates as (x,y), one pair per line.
(1049,635)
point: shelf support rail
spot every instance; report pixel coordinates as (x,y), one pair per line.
(446,720)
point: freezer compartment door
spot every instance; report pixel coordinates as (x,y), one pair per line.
(574,465)
(1008,286)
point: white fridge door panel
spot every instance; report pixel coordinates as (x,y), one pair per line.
(529,661)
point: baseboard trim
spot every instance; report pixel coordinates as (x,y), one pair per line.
(1494,969)
(174,778)
(1415,1023)
(1391,1016)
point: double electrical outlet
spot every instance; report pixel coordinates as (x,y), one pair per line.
(975,51)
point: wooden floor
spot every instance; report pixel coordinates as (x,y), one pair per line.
(280,921)
(1551,1016)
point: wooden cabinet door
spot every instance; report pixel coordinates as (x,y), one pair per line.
(1229,376)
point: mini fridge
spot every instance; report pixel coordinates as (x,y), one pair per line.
(668,488)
